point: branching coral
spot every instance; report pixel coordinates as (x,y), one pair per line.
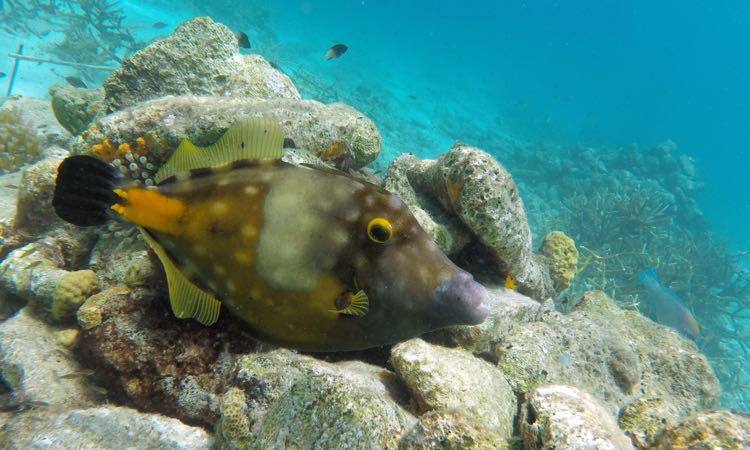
(93,30)
(19,143)
(628,210)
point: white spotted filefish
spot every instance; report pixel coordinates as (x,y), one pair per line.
(307,258)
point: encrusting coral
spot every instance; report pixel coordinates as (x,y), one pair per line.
(562,257)
(19,144)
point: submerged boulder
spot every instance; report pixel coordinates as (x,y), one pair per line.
(200,57)
(337,132)
(105,427)
(492,231)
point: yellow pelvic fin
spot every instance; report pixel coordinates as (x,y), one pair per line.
(252,138)
(150,209)
(186,299)
(353,304)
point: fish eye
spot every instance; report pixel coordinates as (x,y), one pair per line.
(379,230)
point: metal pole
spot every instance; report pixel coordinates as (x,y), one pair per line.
(62,63)
(14,71)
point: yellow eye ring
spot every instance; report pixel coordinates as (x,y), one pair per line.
(379,230)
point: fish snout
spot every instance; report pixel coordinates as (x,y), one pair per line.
(461,300)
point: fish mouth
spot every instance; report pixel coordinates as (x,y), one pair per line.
(459,300)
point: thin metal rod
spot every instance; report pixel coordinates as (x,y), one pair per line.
(62,63)
(14,71)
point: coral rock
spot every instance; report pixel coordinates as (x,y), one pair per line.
(19,143)
(557,416)
(32,364)
(75,108)
(38,115)
(163,123)
(234,423)
(562,257)
(450,430)
(620,357)
(707,431)
(471,185)
(106,427)
(34,213)
(200,57)
(33,272)
(71,290)
(443,379)
(332,411)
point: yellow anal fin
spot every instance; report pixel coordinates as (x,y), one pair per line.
(150,209)
(252,138)
(352,304)
(187,300)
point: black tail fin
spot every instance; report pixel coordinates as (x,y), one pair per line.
(84,190)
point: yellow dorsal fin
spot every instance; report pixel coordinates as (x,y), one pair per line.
(252,138)
(186,299)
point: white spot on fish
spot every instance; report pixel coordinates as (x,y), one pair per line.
(339,237)
(351,214)
(242,257)
(182,176)
(250,189)
(249,231)
(370,201)
(219,208)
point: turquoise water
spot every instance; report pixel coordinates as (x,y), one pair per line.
(524,79)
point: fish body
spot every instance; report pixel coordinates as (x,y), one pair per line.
(242,40)
(335,51)
(308,258)
(75,82)
(2,75)
(159,25)
(667,306)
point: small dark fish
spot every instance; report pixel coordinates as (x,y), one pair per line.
(336,51)
(242,40)
(2,74)
(83,373)
(289,143)
(75,82)
(159,25)
(24,405)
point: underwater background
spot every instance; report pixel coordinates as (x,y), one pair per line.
(624,124)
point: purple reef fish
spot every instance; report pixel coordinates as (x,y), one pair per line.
(667,307)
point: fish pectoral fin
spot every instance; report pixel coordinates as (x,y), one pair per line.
(187,299)
(251,138)
(355,304)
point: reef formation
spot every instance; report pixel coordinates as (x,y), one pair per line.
(88,343)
